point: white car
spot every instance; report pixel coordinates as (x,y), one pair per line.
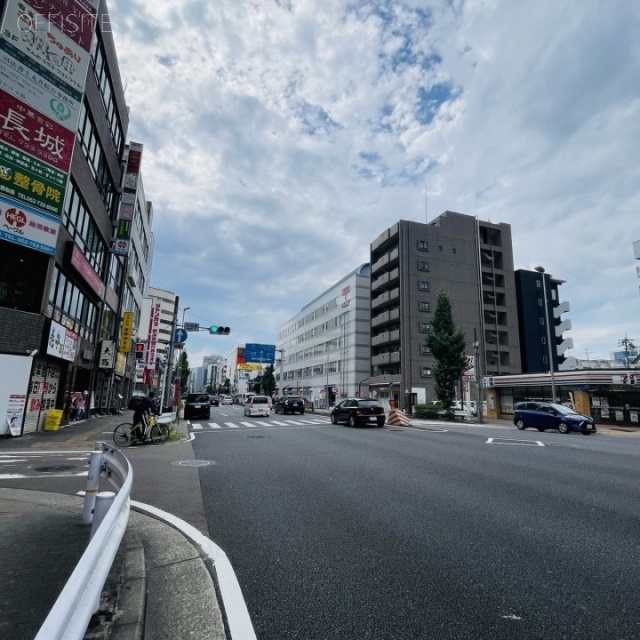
(226,400)
(258,406)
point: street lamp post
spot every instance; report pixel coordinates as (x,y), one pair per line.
(541,271)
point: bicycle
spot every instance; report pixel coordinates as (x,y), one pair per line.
(125,434)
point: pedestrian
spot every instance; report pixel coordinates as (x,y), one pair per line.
(79,404)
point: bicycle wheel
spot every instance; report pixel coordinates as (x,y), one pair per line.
(156,435)
(122,434)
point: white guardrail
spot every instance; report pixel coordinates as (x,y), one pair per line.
(108,514)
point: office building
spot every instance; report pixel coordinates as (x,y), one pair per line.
(61,276)
(324,351)
(411,262)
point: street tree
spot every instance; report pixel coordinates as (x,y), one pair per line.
(268,381)
(183,370)
(447,344)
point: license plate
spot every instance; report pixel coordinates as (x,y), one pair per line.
(196,406)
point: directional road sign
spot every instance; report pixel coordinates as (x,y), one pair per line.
(180,335)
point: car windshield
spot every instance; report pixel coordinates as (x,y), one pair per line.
(368,403)
(560,408)
(197,397)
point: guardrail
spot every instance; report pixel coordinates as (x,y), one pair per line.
(80,597)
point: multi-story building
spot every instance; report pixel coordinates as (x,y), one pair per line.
(324,350)
(62,150)
(535,316)
(158,324)
(411,262)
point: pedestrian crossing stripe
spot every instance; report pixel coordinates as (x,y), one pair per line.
(197,426)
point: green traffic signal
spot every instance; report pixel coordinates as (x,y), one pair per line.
(219,331)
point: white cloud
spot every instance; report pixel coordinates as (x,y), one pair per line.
(281,137)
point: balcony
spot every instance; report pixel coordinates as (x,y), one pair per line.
(389,259)
(385,358)
(386,298)
(386,337)
(386,279)
(386,317)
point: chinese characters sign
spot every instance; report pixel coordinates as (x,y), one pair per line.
(62,343)
(127,332)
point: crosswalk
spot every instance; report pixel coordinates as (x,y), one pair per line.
(253,424)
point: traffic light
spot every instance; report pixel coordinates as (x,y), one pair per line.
(219,331)
(140,350)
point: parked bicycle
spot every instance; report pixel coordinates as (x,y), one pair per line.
(126,434)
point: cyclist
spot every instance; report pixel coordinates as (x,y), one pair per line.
(145,408)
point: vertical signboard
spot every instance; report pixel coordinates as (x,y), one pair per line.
(154,327)
(44,57)
(127,332)
(128,199)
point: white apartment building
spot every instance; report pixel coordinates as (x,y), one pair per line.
(324,351)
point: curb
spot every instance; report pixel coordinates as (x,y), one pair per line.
(232,601)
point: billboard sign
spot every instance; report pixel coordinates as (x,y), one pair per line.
(260,353)
(30,181)
(62,343)
(26,226)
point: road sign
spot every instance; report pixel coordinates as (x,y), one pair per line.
(259,353)
(191,326)
(180,335)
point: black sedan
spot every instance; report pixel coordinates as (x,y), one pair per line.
(197,405)
(214,401)
(356,412)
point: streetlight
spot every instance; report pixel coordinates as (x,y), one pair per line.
(540,270)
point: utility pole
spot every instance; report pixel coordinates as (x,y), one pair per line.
(628,345)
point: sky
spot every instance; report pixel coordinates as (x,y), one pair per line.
(282,136)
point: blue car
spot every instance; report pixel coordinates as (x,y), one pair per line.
(549,415)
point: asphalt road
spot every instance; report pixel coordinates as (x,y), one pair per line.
(396,534)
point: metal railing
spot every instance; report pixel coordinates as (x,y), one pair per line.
(80,597)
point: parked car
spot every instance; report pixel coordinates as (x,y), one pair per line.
(289,404)
(227,400)
(549,415)
(258,406)
(356,411)
(197,405)
(213,401)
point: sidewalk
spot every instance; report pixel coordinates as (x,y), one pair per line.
(163,585)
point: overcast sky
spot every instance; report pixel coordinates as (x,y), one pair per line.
(282,136)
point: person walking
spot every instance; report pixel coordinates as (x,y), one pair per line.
(80,407)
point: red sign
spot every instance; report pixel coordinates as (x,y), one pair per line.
(83,267)
(28,130)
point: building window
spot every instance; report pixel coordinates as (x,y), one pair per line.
(423,265)
(424,305)
(423,285)
(423,245)
(424,327)
(425,372)
(424,350)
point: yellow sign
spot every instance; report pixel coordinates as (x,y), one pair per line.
(127,332)
(250,367)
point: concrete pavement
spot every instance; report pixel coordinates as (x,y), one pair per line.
(168,580)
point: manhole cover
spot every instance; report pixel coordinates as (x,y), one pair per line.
(59,467)
(192,463)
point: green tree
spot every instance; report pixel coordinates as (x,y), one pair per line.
(183,370)
(268,381)
(447,344)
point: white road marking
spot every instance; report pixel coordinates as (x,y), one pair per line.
(214,425)
(248,424)
(231,425)
(280,424)
(516,442)
(196,426)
